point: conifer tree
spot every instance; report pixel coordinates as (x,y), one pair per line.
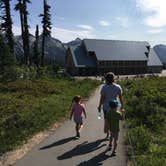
(26,28)
(6,25)
(7,62)
(36,53)
(46,22)
(21,6)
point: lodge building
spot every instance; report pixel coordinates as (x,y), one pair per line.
(96,57)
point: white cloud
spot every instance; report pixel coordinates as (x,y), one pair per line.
(66,35)
(17,30)
(124,22)
(86,27)
(156,10)
(59,17)
(155,31)
(104,23)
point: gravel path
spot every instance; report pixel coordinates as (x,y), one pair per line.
(61,149)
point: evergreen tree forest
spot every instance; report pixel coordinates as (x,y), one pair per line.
(33,64)
(32,91)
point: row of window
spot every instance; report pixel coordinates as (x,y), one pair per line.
(121,63)
(123,70)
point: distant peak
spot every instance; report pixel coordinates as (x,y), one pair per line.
(77,39)
(160,45)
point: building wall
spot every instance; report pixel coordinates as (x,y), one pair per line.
(122,67)
(155,69)
(70,67)
(87,71)
(118,67)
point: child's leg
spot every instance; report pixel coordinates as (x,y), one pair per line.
(115,139)
(110,143)
(80,127)
(115,145)
(111,139)
(77,128)
(80,124)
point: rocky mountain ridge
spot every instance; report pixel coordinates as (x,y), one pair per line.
(55,49)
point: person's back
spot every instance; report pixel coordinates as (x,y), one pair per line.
(110,92)
(78,110)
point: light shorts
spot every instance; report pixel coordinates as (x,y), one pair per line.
(78,120)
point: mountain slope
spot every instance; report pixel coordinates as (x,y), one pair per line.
(54,48)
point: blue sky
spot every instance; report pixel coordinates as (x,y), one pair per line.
(101,19)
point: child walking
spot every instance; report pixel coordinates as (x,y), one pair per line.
(112,119)
(77,111)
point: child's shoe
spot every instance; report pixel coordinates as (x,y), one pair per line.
(113,153)
(77,136)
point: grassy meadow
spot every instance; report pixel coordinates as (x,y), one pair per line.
(27,107)
(146,119)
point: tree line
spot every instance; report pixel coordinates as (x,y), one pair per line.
(37,57)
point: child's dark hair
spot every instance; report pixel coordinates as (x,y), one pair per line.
(77,98)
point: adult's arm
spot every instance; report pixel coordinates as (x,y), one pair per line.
(102,97)
(121,101)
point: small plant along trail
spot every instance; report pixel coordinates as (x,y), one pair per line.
(61,148)
(146,110)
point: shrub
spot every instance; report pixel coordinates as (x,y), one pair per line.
(146,110)
(140,138)
(7,63)
(27,107)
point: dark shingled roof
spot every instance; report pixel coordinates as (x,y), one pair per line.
(117,49)
(153,59)
(81,59)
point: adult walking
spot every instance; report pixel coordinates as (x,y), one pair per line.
(109,91)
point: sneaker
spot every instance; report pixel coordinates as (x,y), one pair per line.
(77,135)
(113,153)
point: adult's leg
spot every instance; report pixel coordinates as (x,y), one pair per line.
(106,130)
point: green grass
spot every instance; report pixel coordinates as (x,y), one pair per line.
(27,107)
(146,110)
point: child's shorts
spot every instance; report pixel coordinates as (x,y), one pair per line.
(78,120)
